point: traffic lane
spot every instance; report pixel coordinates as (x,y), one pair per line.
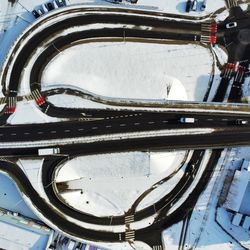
(49,213)
(217,139)
(111,125)
(165,202)
(157,184)
(61,43)
(152,234)
(37,39)
(162,206)
(199,141)
(16,173)
(191,171)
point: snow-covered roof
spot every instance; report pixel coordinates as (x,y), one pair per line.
(237,190)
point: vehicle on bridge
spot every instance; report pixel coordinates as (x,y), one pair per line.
(48,151)
(187,120)
(241,122)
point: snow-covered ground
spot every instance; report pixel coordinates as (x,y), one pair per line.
(92,179)
(150,74)
(134,70)
(16,233)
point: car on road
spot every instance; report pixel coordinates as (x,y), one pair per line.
(231,25)
(241,122)
(35,14)
(187,120)
(190,168)
(188,5)
(48,151)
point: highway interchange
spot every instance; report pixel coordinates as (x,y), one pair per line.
(128,126)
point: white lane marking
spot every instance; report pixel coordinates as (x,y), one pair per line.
(136,123)
(53,132)
(94,127)
(27,133)
(67,131)
(108,126)
(122,125)
(13,134)
(151,122)
(40,132)
(80,129)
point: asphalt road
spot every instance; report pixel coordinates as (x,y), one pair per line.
(127,121)
(166,202)
(160,29)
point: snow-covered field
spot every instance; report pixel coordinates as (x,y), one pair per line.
(92,179)
(134,70)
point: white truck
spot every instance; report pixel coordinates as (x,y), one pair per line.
(187,120)
(48,151)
